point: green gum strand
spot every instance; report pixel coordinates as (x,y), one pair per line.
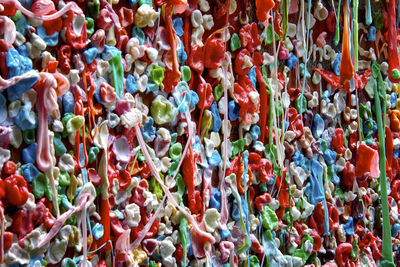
(180,184)
(285,18)
(117,72)
(355,23)
(337,29)
(387,253)
(183,235)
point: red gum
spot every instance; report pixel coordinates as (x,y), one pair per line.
(175,75)
(346,65)
(189,176)
(263,103)
(334,80)
(262,9)
(393,57)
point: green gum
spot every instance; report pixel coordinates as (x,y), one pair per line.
(93,8)
(186,73)
(235,42)
(29,136)
(117,72)
(269,219)
(162,110)
(16,16)
(355,34)
(183,235)
(218,91)
(157,74)
(238,147)
(387,253)
(175,151)
(337,29)
(63,178)
(89,26)
(93,152)
(155,187)
(285,18)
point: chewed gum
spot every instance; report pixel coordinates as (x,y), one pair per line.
(191,133)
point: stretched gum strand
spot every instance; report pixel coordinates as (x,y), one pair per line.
(387,254)
(62,219)
(306,56)
(44,159)
(84,233)
(224,205)
(69,6)
(166,190)
(43,143)
(146,228)
(5,83)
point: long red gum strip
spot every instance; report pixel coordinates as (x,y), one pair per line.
(393,57)
(263,103)
(346,65)
(173,42)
